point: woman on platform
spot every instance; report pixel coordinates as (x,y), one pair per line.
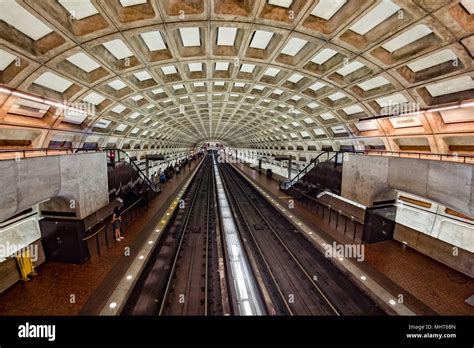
(116,221)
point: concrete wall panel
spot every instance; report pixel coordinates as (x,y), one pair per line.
(29,181)
(367,179)
(364,179)
(451,185)
(406,174)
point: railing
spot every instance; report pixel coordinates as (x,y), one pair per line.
(127,213)
(285,185)
(451,157)
(334,215)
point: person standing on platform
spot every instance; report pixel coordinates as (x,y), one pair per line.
(117,221)
(177,169)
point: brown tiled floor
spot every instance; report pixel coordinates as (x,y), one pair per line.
(50,292)
(427,285)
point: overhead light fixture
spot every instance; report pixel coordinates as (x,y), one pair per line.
(443,108)
(27,96)
(467,104)
(4,90)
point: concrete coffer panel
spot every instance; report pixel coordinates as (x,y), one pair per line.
(29,181)
(367,179)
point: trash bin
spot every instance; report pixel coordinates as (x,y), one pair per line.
(269,173)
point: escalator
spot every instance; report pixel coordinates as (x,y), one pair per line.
(323,173)
(127,181)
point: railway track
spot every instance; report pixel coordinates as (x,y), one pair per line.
(299,279)
(182,276)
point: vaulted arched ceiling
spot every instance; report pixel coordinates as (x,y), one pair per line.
(247,72)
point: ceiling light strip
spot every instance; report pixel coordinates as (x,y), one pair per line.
(39,100)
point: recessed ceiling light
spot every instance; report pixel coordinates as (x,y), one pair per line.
(323,56)
(261,39)
(102,123)
(272,72)
(128,3)
(325,9)
(53,81)
(117,84)
(317,86)
(337,96)
(366,126)
(350,68)
(293,46)
(153,40)
(432,60)
(134,115)
(118,109)
(455,85)
(226,36)
(143,75)
(121,127)
(84,62)
(247,68)
(374,17)
(407,38)
(222,66)
(338,130)
(353,109)
(375,82)
(18,17)
(318,131)
(295,78)
(326,116)
(79,9)
(468,5)
(6,59)
(195,67)
(169,70)
(118,49)
(137,97)
(74,117)
(94,98)
(281,3)
(190,37)
(393,99)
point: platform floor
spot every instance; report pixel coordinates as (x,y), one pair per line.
(428,286)
(67,289)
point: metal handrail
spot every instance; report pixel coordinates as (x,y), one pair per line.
(312,163)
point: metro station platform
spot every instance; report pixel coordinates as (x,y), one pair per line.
(428,286)
(49,292)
